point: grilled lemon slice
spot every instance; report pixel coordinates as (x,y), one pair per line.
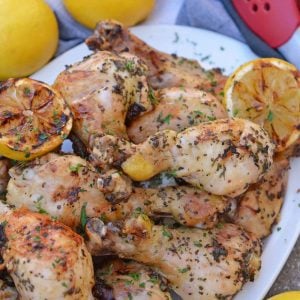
(267,92)
(34,119)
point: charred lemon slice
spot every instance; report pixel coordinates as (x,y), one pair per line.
(267,92)
(34,119)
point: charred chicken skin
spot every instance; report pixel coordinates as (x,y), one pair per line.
(223,157)
(206,264)
(177,109)
(122,280)
(259,207)
(102,91)
(59,186)
(46,259)
(165,70)
(63,185)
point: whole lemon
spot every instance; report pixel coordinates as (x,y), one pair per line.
(292,295)
(28,36)
(128,12)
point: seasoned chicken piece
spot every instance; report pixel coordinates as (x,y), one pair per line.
(165,70)
(223,157)
(129,280)
(259,207)
(45,258)
(187,205)
(4,176)
(177,109)
(102,90)
(7,292)
(61,186)
(199,264)
(75,184)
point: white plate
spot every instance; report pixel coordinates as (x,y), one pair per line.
(215,50)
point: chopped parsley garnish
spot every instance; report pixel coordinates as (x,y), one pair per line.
(3,224)
(184,270)
(27,153)
(154,279)
(270,116)
(38,206)
(152,98)
(235,112)
(128,282)
(171,174)
(211,118)
(135,276)
(198,113)
(83,216)
(129,65)
(27,91)
(167,233)
(137,212)
(198,244)
(220,225)
(75,168)
(165,119)
(43,136)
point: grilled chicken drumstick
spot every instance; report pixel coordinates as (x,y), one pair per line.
(258,209)
(187,205)
(62,185)
(199,264)
(165,70)
(223,157)
(45,258)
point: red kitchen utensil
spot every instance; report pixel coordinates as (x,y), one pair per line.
(274,21)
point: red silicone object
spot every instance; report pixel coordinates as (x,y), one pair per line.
(274,21)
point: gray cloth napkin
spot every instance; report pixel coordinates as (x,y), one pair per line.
(71,33)
(210,15)
(220,16)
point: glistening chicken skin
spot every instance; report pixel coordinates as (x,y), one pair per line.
(46,259)
(102,90)
(223,157)
(63,185)
(177,109)
(207,264)
(187,205)
(258,208)
(59,186)
(122,280)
